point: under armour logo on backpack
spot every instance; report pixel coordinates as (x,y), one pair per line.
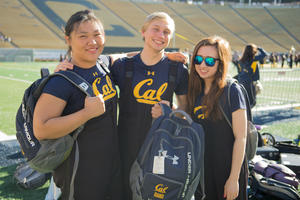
(164,154)
(84,86)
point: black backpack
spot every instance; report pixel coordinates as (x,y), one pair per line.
(45,155)
(28,178)
(170,163)
(252,133)
(262,188)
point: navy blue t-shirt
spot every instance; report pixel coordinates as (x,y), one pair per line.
(63,89)
(150,82)
(237,101)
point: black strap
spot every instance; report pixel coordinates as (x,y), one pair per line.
(244,91)
(129,64)
(75,167)
(172,80)
(103,65)
(44,72)
(72,77)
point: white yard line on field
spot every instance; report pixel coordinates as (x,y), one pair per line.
(4,137)
(15,79)
(275,107)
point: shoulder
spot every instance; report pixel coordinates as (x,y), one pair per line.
(123,61)
(237,97)
(234,86)
(180,68)
(57,80)
(59,87)
(179,65)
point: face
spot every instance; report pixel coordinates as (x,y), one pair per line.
(157,35)
(87,43)
(204,71)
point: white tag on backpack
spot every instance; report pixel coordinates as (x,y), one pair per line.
(159,165)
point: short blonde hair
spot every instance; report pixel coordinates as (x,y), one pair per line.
(160,16)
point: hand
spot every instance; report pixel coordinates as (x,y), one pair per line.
(94,106)
(231,189)
(156,110)
(63,66)
(177,56)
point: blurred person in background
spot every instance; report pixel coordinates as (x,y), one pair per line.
(249,70)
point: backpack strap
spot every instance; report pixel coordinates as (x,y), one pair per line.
(72,77)
(248,108)
(129,64)
(102,65)
(172,79)
(44,72)
(75,167)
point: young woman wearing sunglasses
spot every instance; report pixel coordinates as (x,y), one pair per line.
(225,165)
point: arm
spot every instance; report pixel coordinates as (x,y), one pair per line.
(48,122)
(66,64)
(239,126)
(177,56)
(262,54)
(181,102)
(115,57)
(174,56)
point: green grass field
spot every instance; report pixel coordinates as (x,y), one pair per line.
(16,77)
(10,191)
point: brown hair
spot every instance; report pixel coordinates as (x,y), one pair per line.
(249,53)
(196,83)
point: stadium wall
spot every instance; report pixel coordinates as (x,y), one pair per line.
(30,55)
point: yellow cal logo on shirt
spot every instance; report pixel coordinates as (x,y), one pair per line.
(108,90)
(201,115)
(150,96)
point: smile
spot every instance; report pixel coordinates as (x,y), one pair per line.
(92,50)
(158,42)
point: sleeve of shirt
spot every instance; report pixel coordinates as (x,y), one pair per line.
(182,80)
(237,98)
(262,54)
(59,87)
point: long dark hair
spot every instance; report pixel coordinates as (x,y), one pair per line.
(196,83)
(76,19)
(249,53)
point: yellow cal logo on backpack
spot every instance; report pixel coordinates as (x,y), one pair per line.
(160,191)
